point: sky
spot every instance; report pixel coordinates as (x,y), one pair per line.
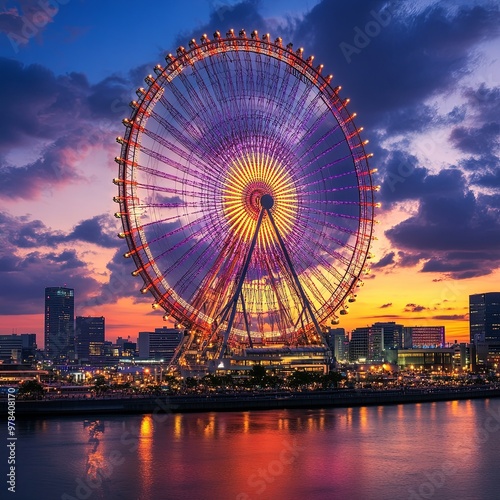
(422,76)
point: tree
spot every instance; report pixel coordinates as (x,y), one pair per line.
(257,374)
(100,384)
(31,389)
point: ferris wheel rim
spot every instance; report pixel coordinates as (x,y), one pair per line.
(148,98)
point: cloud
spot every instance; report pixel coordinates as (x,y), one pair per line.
(454,231)
(451,317)
(121,283)
(242,15)
(483,102)
(96,230)
(407,56)
(385,306)
(55,168)
(414,308)
(26,20)
(473,139)
(32,257)
(40,104)
(484,170)
(386,260)
(25,277)
(25,233)
(404,179)
(406,259)
(63,119)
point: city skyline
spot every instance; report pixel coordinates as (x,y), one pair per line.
(428,104)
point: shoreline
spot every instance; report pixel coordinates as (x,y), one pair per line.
(341,398)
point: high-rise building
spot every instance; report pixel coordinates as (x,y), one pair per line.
(484,317)
(367,344)
(59,323)
(160,344)
(393,334)
(89,336)
(424,336)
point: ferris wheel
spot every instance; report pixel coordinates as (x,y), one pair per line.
(245,193)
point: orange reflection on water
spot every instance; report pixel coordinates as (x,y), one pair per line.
(145,451)
(177,426)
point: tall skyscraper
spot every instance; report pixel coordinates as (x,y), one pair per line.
(59,323)
(484,317)
(89,336)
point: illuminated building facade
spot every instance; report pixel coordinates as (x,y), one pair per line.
(424,336)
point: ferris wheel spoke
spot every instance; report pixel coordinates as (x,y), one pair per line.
(336,176)
(177,166)
(319,170)
(304,143)
(190,146)
(187,156)
(150,188)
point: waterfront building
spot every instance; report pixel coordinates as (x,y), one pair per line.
(431,359)
(424,336)
(18,348)
(280,360)
(59,323)
(89,337)
(484,317)
(160,344)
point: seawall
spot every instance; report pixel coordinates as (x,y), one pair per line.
(239,402)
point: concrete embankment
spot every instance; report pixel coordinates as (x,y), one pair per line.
(241,402)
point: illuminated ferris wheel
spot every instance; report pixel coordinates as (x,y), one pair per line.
(245,193)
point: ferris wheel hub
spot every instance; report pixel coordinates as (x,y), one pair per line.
(267,202)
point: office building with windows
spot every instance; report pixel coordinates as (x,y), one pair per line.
(484,317)
(18,348)
(89,337)
(160,344)
(59,323)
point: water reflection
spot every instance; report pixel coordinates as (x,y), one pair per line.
(373,453)
(145,452)
(95,459)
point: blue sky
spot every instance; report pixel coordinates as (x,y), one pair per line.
(423,77)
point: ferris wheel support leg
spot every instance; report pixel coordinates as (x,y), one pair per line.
(245,317)
(234,301)
(305,300)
